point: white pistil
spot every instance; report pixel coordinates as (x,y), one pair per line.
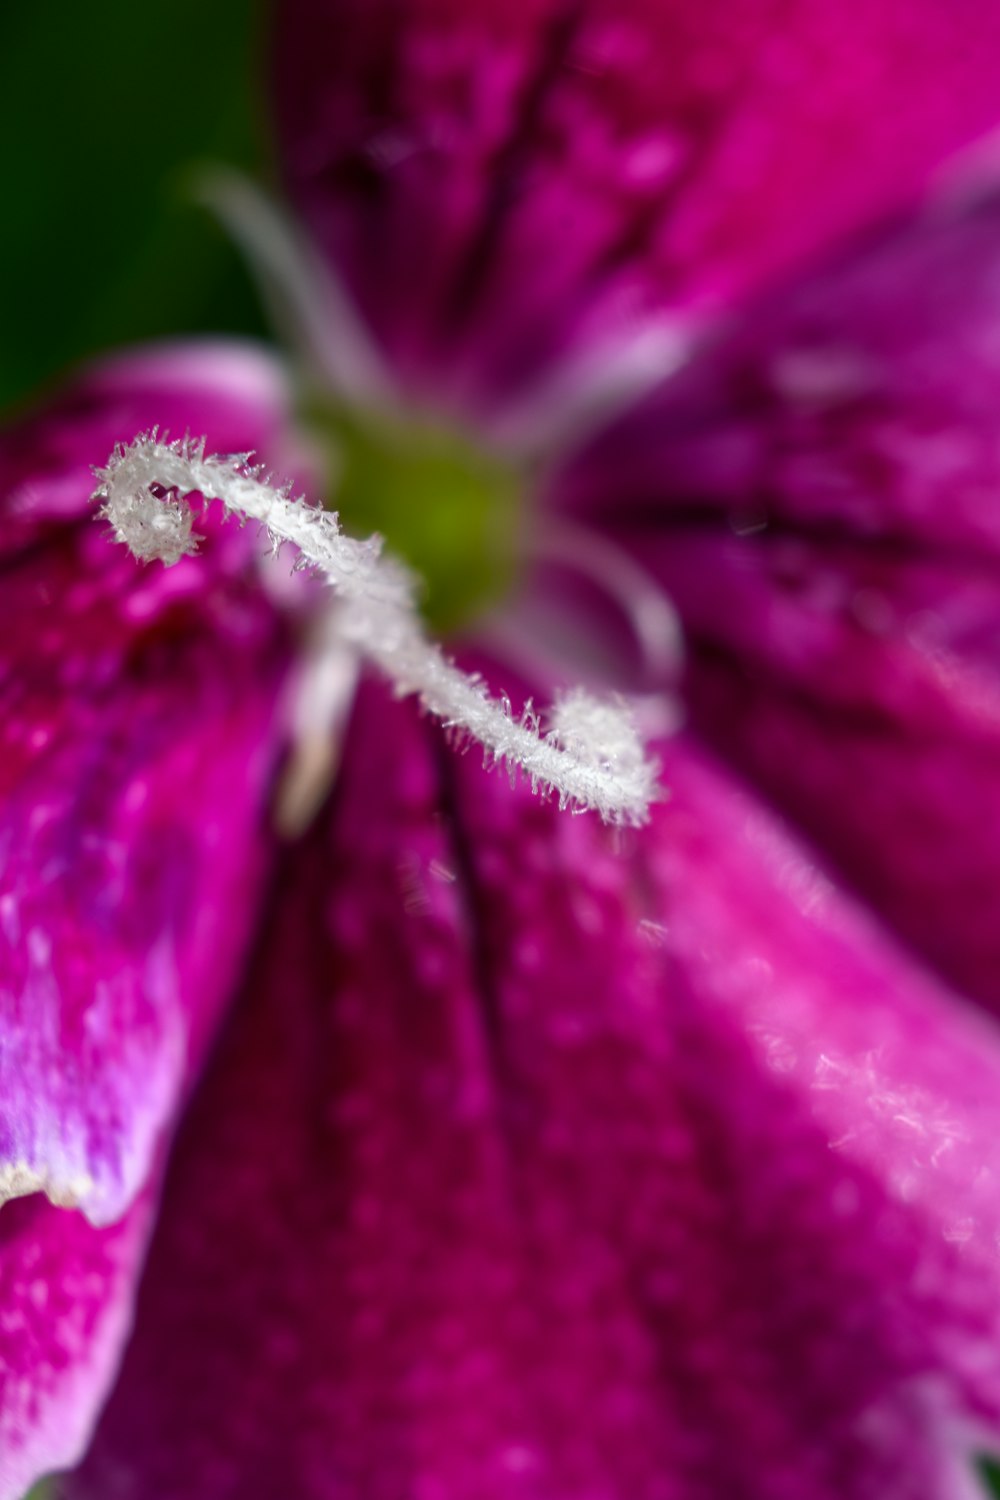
(590,757)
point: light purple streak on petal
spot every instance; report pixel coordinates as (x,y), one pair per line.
(537,1166)
(65,1304)
(820,498)
(503,182)
(138,732)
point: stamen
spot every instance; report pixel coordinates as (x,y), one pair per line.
(644,604)
(583,395)
(590,757)
(307,303)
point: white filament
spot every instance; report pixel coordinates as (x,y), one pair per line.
(590,757)
(309,306)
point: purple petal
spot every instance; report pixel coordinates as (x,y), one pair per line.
(66,1294)
(539,1166)
(500,181)
(819,497)
(138,726)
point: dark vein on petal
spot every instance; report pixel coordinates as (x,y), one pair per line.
(505,172)
(832,538)
(637,233)
(475,911)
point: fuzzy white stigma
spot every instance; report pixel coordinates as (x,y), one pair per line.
(591,755)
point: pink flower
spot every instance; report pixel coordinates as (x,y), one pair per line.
(537,1160)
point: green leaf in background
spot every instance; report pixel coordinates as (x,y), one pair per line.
(989,1470)
(106,112)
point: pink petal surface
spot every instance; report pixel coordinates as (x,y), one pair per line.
(819,498)
(66,1296)
(538,1166)
(500,181)
(138,728)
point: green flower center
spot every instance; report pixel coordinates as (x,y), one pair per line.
(448,508)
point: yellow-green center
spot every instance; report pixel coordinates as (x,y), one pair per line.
(445,506)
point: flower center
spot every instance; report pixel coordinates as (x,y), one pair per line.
(447,507)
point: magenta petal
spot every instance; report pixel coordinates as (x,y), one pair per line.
(66,1299)
(538,1167)
(819,497)
(138,729)
(498,180)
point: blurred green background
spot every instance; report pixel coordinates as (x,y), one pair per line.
(106,113)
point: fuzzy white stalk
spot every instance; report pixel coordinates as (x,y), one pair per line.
(591,756)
